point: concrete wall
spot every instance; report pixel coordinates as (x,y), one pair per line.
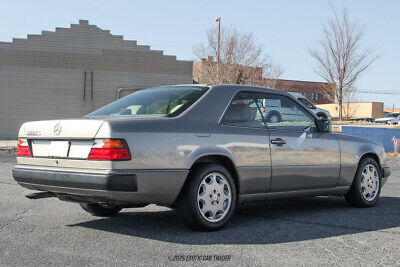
(42,77)
(358,109)
(383,136)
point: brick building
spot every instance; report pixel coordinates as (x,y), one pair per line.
(316,92)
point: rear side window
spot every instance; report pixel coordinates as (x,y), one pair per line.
(258,110)
(162,101)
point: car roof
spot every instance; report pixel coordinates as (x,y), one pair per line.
(237,87)
(234,88)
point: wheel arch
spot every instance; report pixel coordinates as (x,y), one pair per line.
(372,155)
(221,159)
(224,159)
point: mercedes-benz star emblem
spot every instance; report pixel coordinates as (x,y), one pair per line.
(57,129)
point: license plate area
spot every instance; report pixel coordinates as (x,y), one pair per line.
(72,149)
(59,149)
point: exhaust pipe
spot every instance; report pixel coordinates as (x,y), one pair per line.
(40,195)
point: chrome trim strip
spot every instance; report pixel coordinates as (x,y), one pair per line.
(340,191)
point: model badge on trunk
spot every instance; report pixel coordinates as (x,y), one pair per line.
(33,133)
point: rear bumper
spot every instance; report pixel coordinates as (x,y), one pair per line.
(127,187)
(105,182)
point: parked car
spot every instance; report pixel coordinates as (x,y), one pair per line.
(391,118)
(277,110)
(322,113)
(200,149)
(364,119)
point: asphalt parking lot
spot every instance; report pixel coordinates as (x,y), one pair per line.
(311,231)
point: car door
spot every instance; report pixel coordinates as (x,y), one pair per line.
(301,157)
(242,131)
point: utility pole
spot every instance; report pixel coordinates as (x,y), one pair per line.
(219,38)
(219,45)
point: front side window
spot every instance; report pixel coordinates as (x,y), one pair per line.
(162,101)
(274,111)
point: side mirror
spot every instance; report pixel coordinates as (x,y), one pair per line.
(324,125)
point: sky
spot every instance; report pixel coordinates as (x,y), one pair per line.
(286,29)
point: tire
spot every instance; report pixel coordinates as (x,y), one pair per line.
(100,210)
(366,187)
(274,117)
(205,193)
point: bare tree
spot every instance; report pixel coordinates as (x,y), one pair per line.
(339,59)
(271,71)
(242,60)
(350,106)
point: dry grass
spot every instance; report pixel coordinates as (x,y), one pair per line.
(396,144)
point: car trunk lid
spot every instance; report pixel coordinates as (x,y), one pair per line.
(71,139)
(61,129)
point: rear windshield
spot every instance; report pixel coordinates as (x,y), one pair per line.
(162,101)
(392,115)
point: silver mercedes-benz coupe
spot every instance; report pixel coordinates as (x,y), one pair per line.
(202,149)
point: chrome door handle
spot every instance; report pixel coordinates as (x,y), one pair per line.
(278,141)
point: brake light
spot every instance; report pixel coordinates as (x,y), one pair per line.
(110,149)
(23,148)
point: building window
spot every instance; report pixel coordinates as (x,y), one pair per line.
(324,96)
(316,96)
(312,96)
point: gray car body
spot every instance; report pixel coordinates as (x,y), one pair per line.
(165,149)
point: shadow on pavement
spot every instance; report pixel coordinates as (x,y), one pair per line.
(266,223)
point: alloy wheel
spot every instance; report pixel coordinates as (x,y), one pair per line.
(214,197)
(370,182)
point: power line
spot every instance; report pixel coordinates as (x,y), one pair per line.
(394,92)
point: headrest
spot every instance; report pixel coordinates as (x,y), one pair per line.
(239,112)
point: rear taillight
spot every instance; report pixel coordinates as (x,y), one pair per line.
(23,148)
(110,149)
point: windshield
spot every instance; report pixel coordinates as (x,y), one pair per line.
(392,115)
(162,101)
(306,102)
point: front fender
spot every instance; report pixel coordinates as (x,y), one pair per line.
(352,150)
